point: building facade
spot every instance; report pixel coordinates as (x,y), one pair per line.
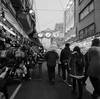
(59,27)
(70,21)
(87,16)
(69,16)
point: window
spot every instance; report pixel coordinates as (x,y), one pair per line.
(91,7)
(81,34)
(85,34)
(86,11)
(87,31)
(91,30)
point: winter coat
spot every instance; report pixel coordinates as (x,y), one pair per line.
(51,58)
(77,64)
(65,55)
(94,62)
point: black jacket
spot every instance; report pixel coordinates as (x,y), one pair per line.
(77,63)
(51,57)
(65,54)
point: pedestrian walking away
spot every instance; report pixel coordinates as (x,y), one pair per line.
(77,64)
(40,61)
(51,58)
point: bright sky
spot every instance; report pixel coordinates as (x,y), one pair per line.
(49,12)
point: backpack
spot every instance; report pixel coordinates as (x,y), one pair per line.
(79,59)
(77,63)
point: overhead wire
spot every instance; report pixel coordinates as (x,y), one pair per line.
(36,10)
(51,21)
(63,13)
(55,10)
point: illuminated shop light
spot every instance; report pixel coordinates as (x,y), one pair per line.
(71,2)
(55,34)
(48,34)
(40,35)
(4,19)
(31,11)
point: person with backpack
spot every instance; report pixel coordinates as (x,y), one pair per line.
(77,65)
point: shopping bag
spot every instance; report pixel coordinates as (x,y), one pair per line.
(89,86)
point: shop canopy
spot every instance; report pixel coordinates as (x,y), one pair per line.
(27,19)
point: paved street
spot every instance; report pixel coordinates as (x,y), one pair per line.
(41,89)
(30,33)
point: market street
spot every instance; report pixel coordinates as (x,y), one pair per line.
(41,89)
(49,49)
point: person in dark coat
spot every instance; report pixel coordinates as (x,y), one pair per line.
(51,58)
(64,59)
(40,61)
(77,65)
(93,70)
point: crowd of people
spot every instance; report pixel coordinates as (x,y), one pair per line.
(73,67)
(78,67)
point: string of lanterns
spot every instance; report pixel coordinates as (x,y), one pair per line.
(48,35)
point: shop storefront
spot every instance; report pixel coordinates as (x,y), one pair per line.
(84,44)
